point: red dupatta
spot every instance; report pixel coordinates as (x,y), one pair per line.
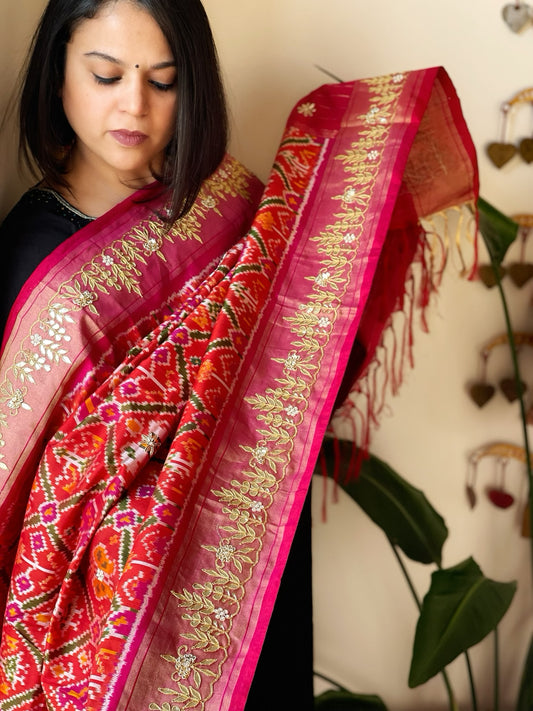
(177,456)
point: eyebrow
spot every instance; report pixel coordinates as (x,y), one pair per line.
(114,60)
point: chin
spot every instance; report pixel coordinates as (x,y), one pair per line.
(134,174)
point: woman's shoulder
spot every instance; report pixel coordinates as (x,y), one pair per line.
(39,212)
(38,223)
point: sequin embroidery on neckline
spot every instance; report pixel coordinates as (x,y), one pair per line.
(65,203)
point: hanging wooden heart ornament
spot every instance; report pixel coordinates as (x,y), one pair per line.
(511,389)
(521,272)
(517,16)
(501,153)
(526,149)
(487,274)
(481,393)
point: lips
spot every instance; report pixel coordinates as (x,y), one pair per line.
(129,138)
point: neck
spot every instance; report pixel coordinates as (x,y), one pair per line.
(95,192)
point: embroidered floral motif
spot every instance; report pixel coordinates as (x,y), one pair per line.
(323,278)
(225,552)
(350,238)
(311,325)
(86,298)
(221,615)
(184,664)
(307,109)
(257,507)
(209,202)
(376,116)
(350,195)
(260,453)
(292,362)
(150,443)
(13,398)
(151,245)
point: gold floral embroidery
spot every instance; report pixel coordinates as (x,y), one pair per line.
(116,267)
(281,408)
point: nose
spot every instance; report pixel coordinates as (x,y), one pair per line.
(135,96)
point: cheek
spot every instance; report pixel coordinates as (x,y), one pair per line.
(81,108)
(71,103)
(168,119)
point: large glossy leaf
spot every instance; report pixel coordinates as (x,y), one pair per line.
(461,607)
(498,230)
(398,508)
(525,699)
(346,701)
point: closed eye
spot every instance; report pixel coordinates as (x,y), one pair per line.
(105,80)
(161,86)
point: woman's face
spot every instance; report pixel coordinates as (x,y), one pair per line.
(119,93)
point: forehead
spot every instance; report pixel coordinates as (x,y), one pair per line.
(121,27)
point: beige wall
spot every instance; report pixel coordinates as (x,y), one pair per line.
(364,616)
(17,20)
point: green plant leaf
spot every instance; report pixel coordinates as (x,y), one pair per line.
(461,607)
(498,230)
(401,511)
(525,698)
(346,701)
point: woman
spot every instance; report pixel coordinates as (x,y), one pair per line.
(98,127)
(165,383)
(109,124)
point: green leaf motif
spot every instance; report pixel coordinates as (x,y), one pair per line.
(346,701)
(461,607)
(498,230)
(401,511)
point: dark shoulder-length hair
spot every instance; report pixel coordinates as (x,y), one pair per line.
(201,129)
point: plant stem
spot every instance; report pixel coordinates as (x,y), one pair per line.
(330,681)
(496,671)
(523,417)
(451,698)
(471,680)
(518,380)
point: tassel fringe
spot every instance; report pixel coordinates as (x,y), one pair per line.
(443,237)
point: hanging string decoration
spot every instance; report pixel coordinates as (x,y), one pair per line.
(481,390)
(500,152)
(501,453)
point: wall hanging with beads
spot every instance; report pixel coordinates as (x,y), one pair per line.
(497,491)
(482,390)
(500,152)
